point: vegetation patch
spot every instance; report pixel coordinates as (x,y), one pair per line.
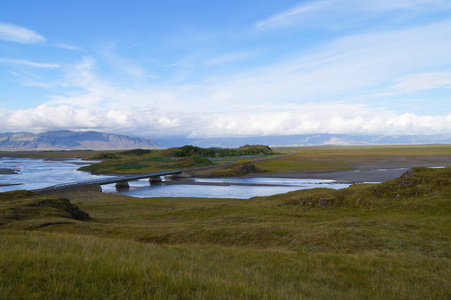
(415,182)
(104,156)
(136,152)
(232,170)
(159,159)
(141,160)
(419,182)
(131,166)
(189,150)
(188,162)
(24,205)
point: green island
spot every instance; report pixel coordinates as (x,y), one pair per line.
(369,241)
(140,161)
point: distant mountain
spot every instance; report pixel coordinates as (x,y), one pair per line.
(306,140)
(73,140)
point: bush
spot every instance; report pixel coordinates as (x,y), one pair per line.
(137,152)
(105,156)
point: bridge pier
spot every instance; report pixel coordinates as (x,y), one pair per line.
(122,185)
(155,179)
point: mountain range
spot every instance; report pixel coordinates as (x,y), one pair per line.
(71,140)
(84,140)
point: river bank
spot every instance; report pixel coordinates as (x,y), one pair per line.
(359,164)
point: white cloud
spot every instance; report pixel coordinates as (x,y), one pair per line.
(174,64)
(68,47)
(90,90)
(333,14)
(122,64)
(334,118)
(322,119)
(14,33)
(346,66)
(27,63)
(424,5)
(48,117)
(423,81)
(291,16)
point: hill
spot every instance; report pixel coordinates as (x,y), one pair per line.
(73,140)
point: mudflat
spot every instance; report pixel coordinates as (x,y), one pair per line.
(369,171)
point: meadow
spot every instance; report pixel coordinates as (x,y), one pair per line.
(369,241)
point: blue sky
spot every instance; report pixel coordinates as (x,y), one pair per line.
(226,68)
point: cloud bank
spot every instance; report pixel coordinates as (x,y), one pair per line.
(335,118)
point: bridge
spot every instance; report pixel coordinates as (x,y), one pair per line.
(121,181)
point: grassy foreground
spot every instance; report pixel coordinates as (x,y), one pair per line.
(387,241)
(42,265)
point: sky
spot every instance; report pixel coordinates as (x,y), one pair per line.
(226,68)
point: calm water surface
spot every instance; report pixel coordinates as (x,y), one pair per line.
(39,173)
(242,188)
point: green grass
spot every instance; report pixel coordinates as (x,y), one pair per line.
(386,241)
(160,159)
(132,166)
(58,266)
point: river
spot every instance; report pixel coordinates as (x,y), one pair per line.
(27,173)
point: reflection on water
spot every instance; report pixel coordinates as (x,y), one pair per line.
(39,173)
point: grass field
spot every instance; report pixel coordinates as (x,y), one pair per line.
(387,241)
(42,265)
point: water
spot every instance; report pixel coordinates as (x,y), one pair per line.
(241,188)
(39,173)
